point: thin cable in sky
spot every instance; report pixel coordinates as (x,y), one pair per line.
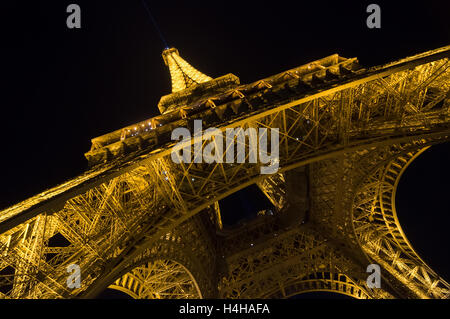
(155,24)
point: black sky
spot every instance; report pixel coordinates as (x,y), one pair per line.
(63,87)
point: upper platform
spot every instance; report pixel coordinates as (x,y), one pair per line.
(193,93)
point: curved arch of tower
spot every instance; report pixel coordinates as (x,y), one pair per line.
(374,213)
(182,264)
(139,222)
(159,279)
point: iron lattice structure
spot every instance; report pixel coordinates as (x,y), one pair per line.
(138,222)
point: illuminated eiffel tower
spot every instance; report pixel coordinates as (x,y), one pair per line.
(140,223)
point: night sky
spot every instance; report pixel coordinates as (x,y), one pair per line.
(63,87)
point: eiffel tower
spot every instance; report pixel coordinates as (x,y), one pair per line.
(137,222)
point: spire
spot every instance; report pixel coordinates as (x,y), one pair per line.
(182,73)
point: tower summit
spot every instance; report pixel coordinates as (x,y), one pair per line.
(189,84)
(183,75)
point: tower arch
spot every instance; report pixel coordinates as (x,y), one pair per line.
(159,279)
(324,282)
(380,235)
(179,265)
